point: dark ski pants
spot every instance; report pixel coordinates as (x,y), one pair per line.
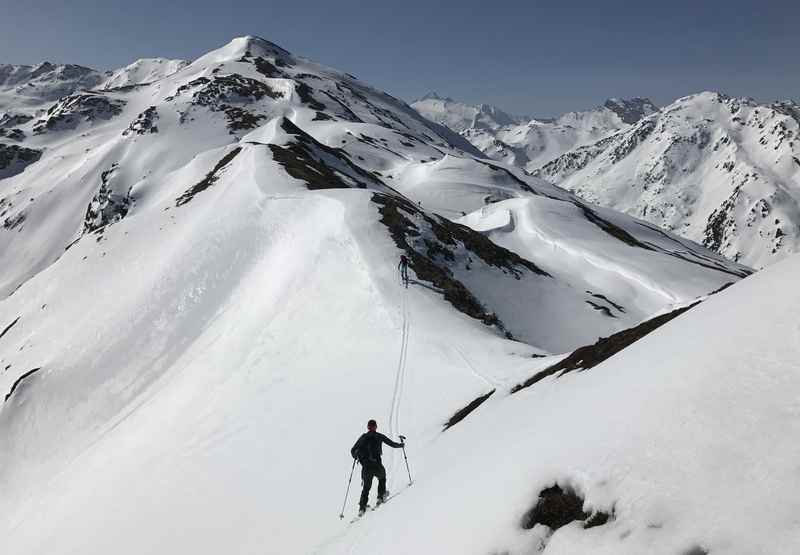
(368,472)
(404,274)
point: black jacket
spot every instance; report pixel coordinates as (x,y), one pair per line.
(369,447)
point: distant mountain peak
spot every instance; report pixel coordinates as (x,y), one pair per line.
(433,95)
(631,110)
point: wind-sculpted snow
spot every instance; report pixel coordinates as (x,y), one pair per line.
(214,310)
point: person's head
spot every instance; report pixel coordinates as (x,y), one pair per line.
(372,425)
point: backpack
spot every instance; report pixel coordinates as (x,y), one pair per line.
(369,450)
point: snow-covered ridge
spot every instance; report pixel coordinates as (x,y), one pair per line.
(199,271)
(145,70)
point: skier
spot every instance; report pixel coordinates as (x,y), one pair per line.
(367,450)
(403,267)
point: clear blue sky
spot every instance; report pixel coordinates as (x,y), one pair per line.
(534,57)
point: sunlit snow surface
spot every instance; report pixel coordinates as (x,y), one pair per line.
(212,335)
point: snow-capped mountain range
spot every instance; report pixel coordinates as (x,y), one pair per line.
(721,171)
(526,142)
(25,89)
(200,308)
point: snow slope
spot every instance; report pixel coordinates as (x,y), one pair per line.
(106,153)
(201,304)
(144,70)
(718,170)
(685,437)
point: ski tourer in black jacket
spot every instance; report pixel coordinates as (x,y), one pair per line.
(368,450)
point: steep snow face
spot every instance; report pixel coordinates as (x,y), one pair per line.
(201,304)
(145,70)
(530,144)
(718,170)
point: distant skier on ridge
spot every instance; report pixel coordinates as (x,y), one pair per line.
(403,267)
(367,450)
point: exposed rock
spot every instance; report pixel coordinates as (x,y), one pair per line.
(73,110)
(107,206)
(14,159)
(144,123)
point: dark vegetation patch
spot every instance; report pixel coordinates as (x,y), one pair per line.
(18,381)
(318,165)
(144,123)
(71,110)
(721,288)
(434,244)
(604,309)
(557,507)
(208,180)
(606,299)
(461,414)
(590,356)
(8,327)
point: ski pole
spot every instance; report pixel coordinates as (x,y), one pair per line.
(403,439)
(341,515)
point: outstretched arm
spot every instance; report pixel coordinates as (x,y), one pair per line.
(390,443)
